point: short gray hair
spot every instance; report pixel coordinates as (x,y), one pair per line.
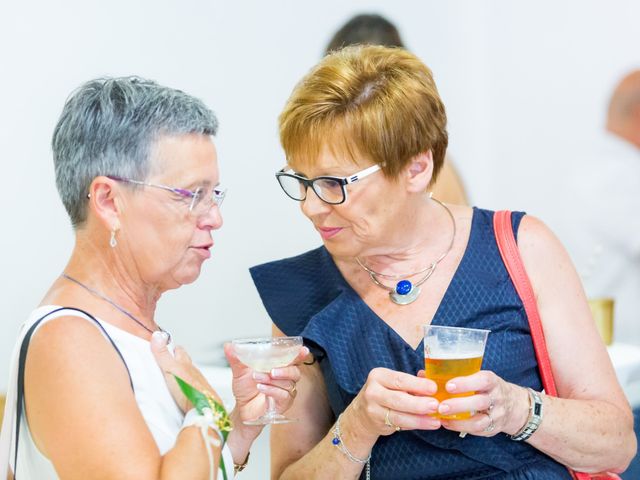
(108,126)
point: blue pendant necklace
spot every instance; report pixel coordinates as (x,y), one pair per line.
(406,292)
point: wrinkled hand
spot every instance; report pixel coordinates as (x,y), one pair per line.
(500,406)
(251,388)
(402,399)
(179,363)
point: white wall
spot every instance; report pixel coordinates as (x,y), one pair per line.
(525,85)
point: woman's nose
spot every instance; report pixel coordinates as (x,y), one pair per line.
(312,205)
(212,219)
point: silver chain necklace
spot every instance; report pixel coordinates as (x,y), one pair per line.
(115,305)
(406,292)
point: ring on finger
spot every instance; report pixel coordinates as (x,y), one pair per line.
(491,404)
(293,390)
(389,423)
(491,426)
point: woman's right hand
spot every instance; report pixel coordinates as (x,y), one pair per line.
(179,364)
(392,400)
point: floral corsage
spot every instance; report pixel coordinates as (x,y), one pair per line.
(211,415)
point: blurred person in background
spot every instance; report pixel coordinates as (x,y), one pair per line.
(604,234)
(373,29)
(364,134)
(604,237)
(137,171)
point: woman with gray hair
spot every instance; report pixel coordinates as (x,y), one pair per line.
(95,396)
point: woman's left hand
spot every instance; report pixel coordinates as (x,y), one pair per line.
(250,388)
(500,406)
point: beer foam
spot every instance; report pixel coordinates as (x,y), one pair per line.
(453,355)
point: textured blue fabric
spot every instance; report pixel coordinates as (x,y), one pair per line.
(633,472)
(350,340)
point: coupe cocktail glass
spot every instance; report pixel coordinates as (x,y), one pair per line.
(263,355)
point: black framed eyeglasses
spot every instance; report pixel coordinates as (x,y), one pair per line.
(329,189)
(199,201)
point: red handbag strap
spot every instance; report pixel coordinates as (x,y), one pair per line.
(511,257)
(513,262)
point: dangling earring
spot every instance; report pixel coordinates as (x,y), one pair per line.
(112,241)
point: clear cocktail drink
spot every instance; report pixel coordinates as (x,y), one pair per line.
(263,355)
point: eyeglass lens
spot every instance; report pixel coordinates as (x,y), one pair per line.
(203,201)
(329,190)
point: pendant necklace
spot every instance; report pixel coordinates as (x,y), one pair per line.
(116,306)
(405,291)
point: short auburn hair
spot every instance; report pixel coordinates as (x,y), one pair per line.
(372,101)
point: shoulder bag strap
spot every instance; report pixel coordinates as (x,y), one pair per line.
(513,262)
(511,257)
(22,361)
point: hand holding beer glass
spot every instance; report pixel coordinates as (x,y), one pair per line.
(451,352)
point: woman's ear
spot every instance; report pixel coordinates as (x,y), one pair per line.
(419,172)
(102,202)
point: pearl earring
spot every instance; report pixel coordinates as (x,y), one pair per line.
(112,241)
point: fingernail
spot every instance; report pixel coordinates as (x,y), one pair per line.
(260,377)
(443,408)
(159,337)
(305,351)
(451,387)
(433,406)
(261,387)
(276,372)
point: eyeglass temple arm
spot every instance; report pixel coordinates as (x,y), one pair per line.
(180,191)
(363,173)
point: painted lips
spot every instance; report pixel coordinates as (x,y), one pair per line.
(327,233)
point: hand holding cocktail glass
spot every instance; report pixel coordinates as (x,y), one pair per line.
(267,364)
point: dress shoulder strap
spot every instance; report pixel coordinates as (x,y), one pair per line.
(24,347)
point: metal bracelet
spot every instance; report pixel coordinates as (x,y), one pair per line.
(534,420)
(238,467)
(337,441)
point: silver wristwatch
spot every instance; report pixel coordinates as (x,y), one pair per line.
(535,417)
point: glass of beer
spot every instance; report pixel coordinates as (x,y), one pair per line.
(451,352)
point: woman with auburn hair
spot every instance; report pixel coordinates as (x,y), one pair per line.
(373,29)
(365,135)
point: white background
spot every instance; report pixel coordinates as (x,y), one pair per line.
(525,85)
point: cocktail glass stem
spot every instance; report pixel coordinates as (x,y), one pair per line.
(271,408)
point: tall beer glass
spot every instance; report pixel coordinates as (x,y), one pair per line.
(451,352)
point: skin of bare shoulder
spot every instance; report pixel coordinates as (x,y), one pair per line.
(75,381)
(581,365)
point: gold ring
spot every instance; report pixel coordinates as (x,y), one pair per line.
(293,390)
(389,423)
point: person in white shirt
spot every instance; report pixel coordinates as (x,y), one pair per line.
(604,236)
(137,171)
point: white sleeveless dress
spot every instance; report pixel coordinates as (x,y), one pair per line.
(162,415)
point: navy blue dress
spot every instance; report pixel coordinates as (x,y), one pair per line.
(307,295)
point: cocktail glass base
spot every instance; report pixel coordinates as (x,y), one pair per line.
(270,420)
